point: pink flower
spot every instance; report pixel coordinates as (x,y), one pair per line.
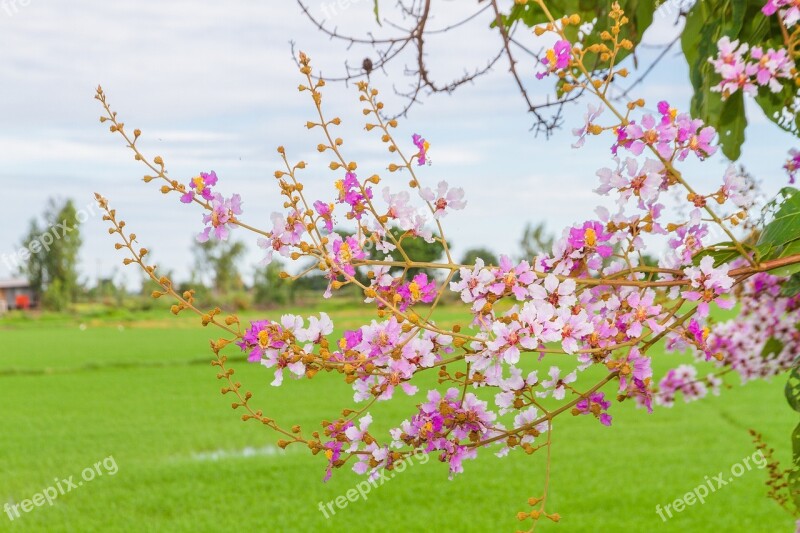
(345,251)
(556,385)
(574,327)
(508,339)
(201,185)
(792,165)
(400,209)
(261,336)
(772,66)
(325,212)
(709,284)
(735,188)
(556,58)
(223,214)
(589,238)
(638,369)
(591,115)
(643,313)
(790,15)
(595,404)
(444,198)
(420,289)
(352,193)
(659,135)
(422,145)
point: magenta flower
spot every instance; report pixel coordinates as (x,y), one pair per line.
(422,145)
(791,13)
(698,336)
(792,165)
(695,137)
(220,221)
(595,404)
(261,336)
(556,58)
(420,289)
(352,193)
(345,252)
(589,238)
(325,211)
(201,185)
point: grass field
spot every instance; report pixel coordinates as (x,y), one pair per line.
(140,388)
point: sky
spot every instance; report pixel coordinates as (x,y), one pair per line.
(213,86)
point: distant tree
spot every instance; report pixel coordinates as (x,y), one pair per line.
(270,287)
(51,255)
(417,249)
(535,240)
(474,253)
(217,261)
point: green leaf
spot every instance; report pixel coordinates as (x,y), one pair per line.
(784,227)
(794,474)
(793,248)
(792,389)
(723,252)
(791,287)
(772,348)
(377,14)
(731,125)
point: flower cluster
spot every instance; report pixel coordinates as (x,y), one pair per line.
(221,219)
(535,325)
(445,425)
(747,72)
(671,134)
(789,10)
(201,185)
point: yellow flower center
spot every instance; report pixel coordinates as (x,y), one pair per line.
(590,236)
(413,288)
(263,337)
(345,254)
(551,57)
(329,453)
(199,184)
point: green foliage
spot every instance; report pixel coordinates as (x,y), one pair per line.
(270,288)
(376,12)
(416,248)
(535,240)
(471,255)
(792,391)
(218,260)
(781,236)
(158,434)
(706,23)
(639,13)
(52,265)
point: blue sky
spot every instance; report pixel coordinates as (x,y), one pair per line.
(212,86)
